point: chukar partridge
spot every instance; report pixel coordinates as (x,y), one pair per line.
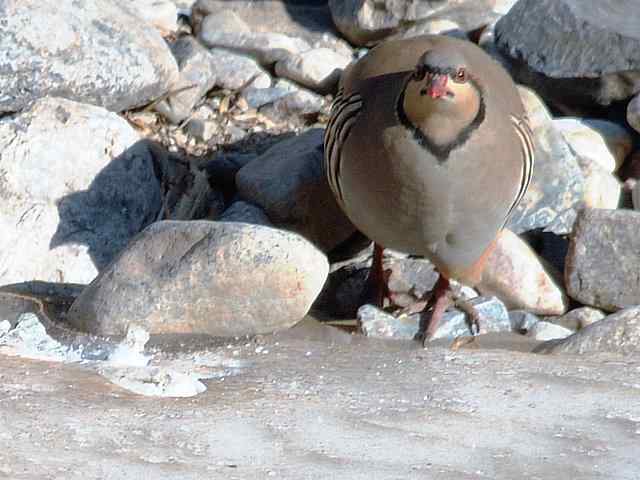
(428,152)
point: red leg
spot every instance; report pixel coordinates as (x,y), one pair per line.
(376,288)
(432,313)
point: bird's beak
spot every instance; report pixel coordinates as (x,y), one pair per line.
(436,85)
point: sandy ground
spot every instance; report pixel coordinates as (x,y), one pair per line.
(316,403)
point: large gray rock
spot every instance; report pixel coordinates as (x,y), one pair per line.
(603,263)
(100,52)
(587,54)
(216,278)
(289,183)
(366,21)
(76,183)
(616,333)
(557,185)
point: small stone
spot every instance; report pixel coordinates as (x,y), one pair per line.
(493,317)
(602,189)
(633,113)
(197,77)
(516,275)
(235,71)
(154,381)
(298,103)
(258,97)
(545,331)
(603,142)
(246,213)
(223,30)
(603,263)
(557,186)
(522,321)
(202,129)
(162,14)
(318,69)
(223,279)
(289,183)
(616,333)
(375,322)
(579,318)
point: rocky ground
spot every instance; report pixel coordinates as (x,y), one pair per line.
(161,174)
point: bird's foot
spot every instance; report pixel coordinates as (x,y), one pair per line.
(436,305)
(376,288)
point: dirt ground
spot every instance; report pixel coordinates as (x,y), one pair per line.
(317,403)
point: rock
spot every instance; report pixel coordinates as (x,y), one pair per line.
(216,278)
(603,142)
(635,195)
(197,77)
(258,97)
(579,318)
(245,212)
(76,184)
(557,185)
(235,71)
(318,69)
(289,184)
(162,14)
(225,29)
(602,262)
(502,7)
(522,321)
(601,188)
(617,333)
(297,104)
(202,125)
(544,331)
(516,275)
(433,27)
(222,169)
(101,54)
(378,323)
(375,322)
(586,56)
(154,381)
(633,113)
(368,21)
(309,20)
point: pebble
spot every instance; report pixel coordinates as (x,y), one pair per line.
(544,331)
(318,69)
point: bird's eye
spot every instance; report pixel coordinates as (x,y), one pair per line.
(461,75)
(419,74)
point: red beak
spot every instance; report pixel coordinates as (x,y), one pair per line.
(436,85)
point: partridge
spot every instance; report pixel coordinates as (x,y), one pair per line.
(428,151)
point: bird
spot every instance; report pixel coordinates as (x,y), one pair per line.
(428,151)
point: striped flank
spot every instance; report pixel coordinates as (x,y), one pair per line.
(525,136)
(344,112)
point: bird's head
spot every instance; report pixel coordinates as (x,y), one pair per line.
(441,96)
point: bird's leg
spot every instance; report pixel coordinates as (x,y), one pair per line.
(376,288)
(438,302)
(472,315)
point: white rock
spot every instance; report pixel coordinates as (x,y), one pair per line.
(100,52)
(225,30)
(235,70)
(76,185)
(602,189)
(544,331)
(318,68)
(601,141)
(162,14)
(154,381)
(517,276)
